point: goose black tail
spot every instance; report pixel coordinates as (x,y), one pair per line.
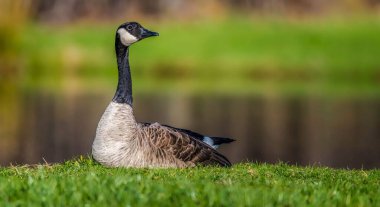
(221,140)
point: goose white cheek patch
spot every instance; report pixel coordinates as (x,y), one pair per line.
(125,37)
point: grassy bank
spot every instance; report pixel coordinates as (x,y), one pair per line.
(82,182)
(234,54)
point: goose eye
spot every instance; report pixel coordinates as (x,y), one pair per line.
(129,27)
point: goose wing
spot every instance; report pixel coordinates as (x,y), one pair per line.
(214,142)
(183,146)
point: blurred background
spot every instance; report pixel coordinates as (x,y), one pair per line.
(296,81)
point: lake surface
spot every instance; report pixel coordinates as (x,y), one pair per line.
(305,130)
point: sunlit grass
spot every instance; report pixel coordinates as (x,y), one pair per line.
(235,54)
(83,182)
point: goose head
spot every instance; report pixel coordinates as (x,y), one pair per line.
(131,32)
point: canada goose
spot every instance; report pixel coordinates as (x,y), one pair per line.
(122,142)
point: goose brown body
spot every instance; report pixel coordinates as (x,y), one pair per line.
(120,141)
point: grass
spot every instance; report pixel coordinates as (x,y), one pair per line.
(82,182)
(234,54)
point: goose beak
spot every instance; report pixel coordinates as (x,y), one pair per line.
(146,33)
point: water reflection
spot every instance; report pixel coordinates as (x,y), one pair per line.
(337,132)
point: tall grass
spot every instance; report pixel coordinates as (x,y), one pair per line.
(13,18)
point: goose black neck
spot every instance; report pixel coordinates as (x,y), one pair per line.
(124,87)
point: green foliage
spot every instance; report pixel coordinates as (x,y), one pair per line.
(82,182)
(235,54)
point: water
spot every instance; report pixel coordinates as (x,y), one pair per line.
(304,130)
